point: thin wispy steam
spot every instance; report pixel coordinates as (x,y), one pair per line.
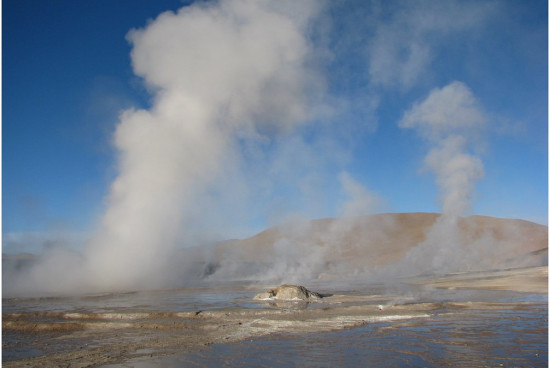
(255,105)
(450,120)
(361,201)
(300,250)
(456,174)
(405,41)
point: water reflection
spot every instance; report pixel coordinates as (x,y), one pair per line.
(467,338)
(513,336)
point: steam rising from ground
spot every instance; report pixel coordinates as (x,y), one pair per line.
(450,120)
(234,85)
(218,73)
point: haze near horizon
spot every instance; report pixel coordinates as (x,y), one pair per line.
(224,118)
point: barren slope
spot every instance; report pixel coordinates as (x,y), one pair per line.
(382,239)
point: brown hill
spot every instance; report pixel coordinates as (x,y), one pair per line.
(313,248)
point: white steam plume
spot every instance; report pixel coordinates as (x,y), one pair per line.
(228,78)
(218,71)
(450,119)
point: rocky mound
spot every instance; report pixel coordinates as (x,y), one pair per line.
(288,292)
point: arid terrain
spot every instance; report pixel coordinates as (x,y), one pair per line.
(114,329)
(329,249)
(81,339)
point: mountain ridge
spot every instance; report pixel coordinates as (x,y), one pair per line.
(373,242)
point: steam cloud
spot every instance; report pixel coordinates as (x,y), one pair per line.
(298,250)
(234,85)
(219,73)
(450,120)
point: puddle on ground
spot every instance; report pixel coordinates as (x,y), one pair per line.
(455,337)
(468,338)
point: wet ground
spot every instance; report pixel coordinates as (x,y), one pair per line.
(467,338)
(361,325)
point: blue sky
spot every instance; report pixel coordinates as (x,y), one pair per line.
(67,74)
